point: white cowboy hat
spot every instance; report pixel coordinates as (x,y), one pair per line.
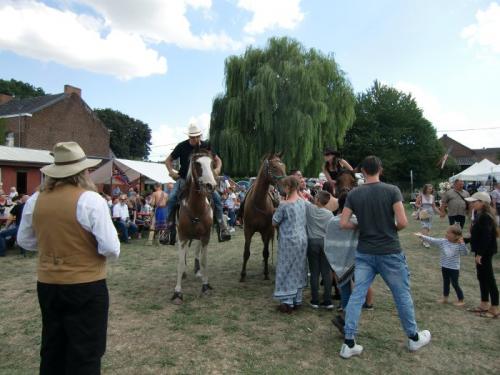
(69,159)
(193,131)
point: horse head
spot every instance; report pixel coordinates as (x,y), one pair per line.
(346,180)
(201,171)
(273,169)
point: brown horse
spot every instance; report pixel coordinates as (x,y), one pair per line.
(195,218)
(258,209)
(346,180)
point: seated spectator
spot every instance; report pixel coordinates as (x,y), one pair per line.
(121,218)
(12,224)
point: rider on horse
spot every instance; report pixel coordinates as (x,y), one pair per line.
(183,152)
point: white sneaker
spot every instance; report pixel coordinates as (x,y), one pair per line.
(346,352)
(232,230)
(424,337)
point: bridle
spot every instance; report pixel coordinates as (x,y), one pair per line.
(274,178)
(198,186)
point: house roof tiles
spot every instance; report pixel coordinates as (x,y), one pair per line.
(29,105)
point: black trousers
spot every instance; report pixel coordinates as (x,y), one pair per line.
(460,219)
(487,282)
(318,263)
(74,326)
(450,275)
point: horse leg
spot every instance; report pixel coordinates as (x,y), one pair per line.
(197,262)
(265,255)
(181,267)
(246,254)
(205,288)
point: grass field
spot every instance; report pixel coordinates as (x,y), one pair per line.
(237,330)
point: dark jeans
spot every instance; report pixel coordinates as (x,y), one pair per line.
(125,229)
(487,282)
(450,275)
(319,264)
(74,326)
(460,219)
(345,294)
(3,235)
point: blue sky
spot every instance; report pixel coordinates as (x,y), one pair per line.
(162,61)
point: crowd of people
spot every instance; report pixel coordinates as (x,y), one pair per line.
(74,230)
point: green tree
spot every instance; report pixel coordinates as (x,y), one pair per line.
(390,124)
(281,98)
(19,89)
(130,138)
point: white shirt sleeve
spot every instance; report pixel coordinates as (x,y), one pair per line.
(92,213)
(26,237)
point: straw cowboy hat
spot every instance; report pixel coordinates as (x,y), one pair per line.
(69,159)
(194,131)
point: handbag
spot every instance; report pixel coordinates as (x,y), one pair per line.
(423,215)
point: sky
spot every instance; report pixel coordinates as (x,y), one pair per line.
(162,61)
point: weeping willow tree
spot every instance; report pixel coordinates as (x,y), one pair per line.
(281,98)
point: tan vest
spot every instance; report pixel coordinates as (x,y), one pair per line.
(67,253)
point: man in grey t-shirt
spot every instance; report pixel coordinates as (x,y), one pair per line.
(380,213)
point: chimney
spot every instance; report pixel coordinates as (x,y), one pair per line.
(5,98)
(68,89)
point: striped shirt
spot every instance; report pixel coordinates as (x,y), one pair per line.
(450,251)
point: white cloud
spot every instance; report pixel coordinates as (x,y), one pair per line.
(162,21)
(269,14)
(450,121)
(35,30)
(165,137)
(486,31)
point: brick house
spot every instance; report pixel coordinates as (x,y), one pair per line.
(465,156)
(41,122)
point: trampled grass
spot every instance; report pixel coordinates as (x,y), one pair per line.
(237,330)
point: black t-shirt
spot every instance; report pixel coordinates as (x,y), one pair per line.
(17,211)
(183,152)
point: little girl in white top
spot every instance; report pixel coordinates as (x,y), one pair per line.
(452,246)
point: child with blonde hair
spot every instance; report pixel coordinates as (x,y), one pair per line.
(452,246)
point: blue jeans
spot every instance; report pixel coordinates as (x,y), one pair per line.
(126,229)
(345,294)
(12,231)
(173,198)
(394,270)
(231,213)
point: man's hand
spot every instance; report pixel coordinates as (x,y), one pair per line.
(478,259)
(418,234)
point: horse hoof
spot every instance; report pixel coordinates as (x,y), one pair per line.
(206,289)
(199,274)
(177,298)
(184,275)
(242,278)
(266,277)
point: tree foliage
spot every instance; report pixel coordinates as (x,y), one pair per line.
(281,98)
(19,89)
(390,124)
(130,138)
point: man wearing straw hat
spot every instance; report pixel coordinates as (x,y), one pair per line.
(70,226)
(183,152)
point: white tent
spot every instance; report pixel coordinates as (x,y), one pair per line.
(476,172)
(133,170)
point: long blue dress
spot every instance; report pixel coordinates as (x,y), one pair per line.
(291,273)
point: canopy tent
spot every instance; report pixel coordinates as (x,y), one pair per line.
(476,172)
(494,173)
(131,170)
